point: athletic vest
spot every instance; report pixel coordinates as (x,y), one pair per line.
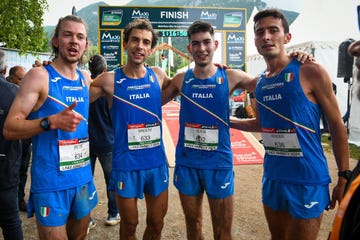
(136,116)
(60,159)
(290,130)
(204,138)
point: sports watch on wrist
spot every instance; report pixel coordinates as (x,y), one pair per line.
(345,174)
(45,124)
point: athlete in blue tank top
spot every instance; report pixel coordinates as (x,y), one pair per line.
(291,130)
(53,167)
(204,138)
(139,167)
(52,108)
(136,109)
(290,97)
(204,161)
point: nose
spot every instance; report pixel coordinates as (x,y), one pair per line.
(202,46)
(266,35)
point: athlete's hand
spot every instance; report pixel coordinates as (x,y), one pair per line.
(338,192)
(37,63)
(303,56)
(221,66)
(66,120)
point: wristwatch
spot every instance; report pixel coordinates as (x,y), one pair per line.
(45,124)
(345,174)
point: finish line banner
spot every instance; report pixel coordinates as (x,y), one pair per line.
(171,22)
(246,148)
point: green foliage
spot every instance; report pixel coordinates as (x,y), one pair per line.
(21,24)
(353,149)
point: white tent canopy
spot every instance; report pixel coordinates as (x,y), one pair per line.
(354,122)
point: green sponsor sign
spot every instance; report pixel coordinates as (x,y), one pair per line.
(172,22)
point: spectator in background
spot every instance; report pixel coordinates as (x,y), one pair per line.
(10,159)
(354,50)
(16,75)
(101,137)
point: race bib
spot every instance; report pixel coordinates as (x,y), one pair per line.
(201,137)
(74,153)
(281,142)
(142,136)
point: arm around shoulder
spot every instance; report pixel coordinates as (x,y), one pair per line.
(173,88)
(102,85)
(239,79)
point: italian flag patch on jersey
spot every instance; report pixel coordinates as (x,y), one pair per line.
(289,77)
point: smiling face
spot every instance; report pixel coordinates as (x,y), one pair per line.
(71,41)
(202,47)
(270,36)
(139,45)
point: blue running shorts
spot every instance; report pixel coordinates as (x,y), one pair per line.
(54,208)
(217,184)
(133,184)
(300,200)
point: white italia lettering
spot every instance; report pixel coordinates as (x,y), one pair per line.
(202,95)
(74,99)
(139,96)
(272,97)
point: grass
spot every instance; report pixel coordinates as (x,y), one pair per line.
(354,150)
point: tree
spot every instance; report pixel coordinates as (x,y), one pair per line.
(21,24)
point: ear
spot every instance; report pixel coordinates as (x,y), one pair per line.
(287,38)
(216,42)
(151,51)
(55,42)
(188,48)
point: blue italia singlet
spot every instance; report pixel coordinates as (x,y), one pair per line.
(61,159)
(136,116)
(204,137)
(290,129)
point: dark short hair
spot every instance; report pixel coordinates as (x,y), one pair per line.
(272,12)
(142,24)
(97,64)
(200,26)
(13,70)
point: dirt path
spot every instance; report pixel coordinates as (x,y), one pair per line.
(249,222)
